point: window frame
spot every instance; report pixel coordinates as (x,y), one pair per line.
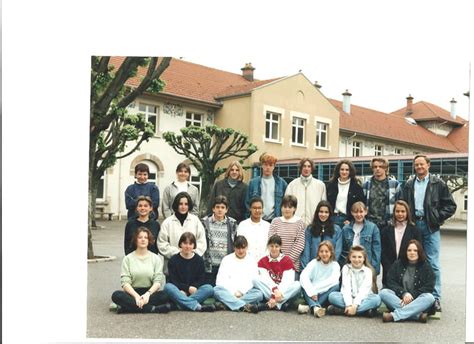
(147,115)
(271,121)
(318,135)
(358,147)
(294,129)
(193,121)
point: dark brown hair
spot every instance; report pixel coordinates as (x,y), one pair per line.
(421,252)
(187,237)
(142,168)
(151,238)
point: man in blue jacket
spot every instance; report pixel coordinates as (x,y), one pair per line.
(431,203)
(270,187)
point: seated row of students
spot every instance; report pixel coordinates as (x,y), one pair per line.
(242,285)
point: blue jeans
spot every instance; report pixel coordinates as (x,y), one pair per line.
(192,302)
(289,291)
(226,297)
(372,301)
(322,298)
(412,310)
(431,245)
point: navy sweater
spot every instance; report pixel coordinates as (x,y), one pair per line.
(184,273)
(130,228)
(135,190)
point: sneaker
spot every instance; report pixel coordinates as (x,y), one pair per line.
(119,309)
(303,309)
(165,308)
(333,310)
(263,307)
(220,306)
(208,308)
(285,307)
(387,317)
(423,318)
(250,308)
(370,313)
(319,312)
(437,306)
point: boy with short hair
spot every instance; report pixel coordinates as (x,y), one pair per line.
(220,234)
(234,284)
(141,187)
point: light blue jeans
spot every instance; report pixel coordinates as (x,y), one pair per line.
(289,291)
(372,301)
(226,297)
(322,298)
(411,311)
(431,245)
(192,302)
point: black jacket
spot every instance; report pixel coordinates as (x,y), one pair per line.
(438,204)
(235,196)
(389,249)
(355,194)
(424,279)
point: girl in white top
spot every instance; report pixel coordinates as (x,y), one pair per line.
(319,279)
(358,293)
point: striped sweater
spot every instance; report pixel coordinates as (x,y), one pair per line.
(292,236)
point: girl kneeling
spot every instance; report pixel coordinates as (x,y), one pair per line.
(318,279)
(358,293)
(410,285)
(276,277)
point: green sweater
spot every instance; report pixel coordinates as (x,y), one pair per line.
(142,272)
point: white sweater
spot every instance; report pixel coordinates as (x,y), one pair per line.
(353,292)
(237,274)
(318,277)
(308,197)
(256,235)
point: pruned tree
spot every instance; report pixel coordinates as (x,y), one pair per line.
(205,147)
(455,182)
(112,129)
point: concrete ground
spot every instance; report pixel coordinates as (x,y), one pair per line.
(104,278)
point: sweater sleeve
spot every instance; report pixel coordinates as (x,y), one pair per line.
(125,275)
(127,238)
(298,246)
(130,201)
(201,244)
(305,278)
(164,245)
(158,276)
(200,278)
(346,288)
(174,274)
(365,288)
(223,275)
(155,197)
(167,202)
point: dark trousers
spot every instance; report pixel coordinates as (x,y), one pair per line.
(128,304)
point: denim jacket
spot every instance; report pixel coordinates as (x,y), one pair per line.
(369,239)
(255,189)
(312,243)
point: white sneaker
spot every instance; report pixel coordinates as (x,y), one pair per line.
(319,312)
(303,309)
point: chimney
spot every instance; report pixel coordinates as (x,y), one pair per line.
(318,86)
(453,108)
(409,105)
(247,71)
(346,102)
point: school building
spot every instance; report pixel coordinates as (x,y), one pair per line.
(286,116)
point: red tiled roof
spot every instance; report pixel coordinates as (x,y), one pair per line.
(388,126)
(459,137)
(197,82)
(424,111)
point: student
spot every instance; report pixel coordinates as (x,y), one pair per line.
(410,286)
(220,232)
(396,235)
(144,210)
(255,230)
(291,230)
(232,187)
(186,285)
(181,184)
(178,223)
(361,232)
(343,191)
(322,228)
(276,278)
(141,278)
(234,283)
(358,295)
(270,187)
(308,190)
(141,187)
(318,279)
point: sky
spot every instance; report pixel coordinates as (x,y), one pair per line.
(380,51)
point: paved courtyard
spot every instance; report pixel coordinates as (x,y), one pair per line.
(104,278)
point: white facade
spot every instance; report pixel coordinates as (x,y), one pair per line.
(156,153)
(349,145)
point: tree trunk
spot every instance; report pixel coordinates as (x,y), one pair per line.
(207,182)
(91,199)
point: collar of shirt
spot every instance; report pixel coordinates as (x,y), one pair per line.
(213,220)
(291,220)
(424,180)
(277,259)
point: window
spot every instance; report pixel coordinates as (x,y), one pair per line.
(322,135)
(272,126)
(193,119)
(100,188)
(398,151)
(465,202)
(378,150)
(297,130)
(151,114)
(356,148)
(196,181)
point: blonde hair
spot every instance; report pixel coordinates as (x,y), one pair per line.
(330,247)
(358,205)
(359,248)
(239,166)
